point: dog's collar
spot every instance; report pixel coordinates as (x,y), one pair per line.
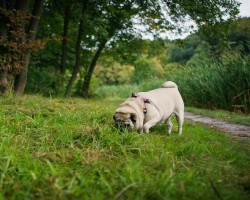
(135,95)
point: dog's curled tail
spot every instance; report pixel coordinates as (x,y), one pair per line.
(169,84)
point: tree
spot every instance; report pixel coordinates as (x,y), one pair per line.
(239,35)
(17,44)
(67,13)
(116,23)
(151,13)
(107,21)
(90,70)
(110,72)
(202,55)
(182,51)
(13,15)
(3,37)
(146,69)
(76,68)
(21,78)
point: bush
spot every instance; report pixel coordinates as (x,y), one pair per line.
(112,73)
(44,81)
(146,69)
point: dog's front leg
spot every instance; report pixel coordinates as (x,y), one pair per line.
(140,130)
(149,124)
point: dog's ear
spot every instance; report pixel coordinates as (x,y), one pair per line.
(133,117)
(113,117)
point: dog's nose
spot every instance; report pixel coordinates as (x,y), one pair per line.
(123,126)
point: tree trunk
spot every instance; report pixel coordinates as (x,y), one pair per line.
(67,13)
(3,34)
(89,72)
(3,81)
(21,79)
(76,68)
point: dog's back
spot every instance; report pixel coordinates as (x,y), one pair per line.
(167,97)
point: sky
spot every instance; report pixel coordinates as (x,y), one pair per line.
(244,8)
(244,12)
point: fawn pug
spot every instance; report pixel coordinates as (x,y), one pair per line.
(146,109)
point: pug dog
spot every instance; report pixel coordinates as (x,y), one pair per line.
(146,109)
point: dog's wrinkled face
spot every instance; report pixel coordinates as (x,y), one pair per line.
(125,120)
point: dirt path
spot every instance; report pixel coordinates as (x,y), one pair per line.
(228,127)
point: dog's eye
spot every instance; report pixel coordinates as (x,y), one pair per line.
(133,118)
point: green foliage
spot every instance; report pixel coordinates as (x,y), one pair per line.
(202,55)
(113,73)
(239,35)
(37,83)
(128,50)
(43,75)
(110,20)
(13,39)
(223,84)
(69,149)
(183,51)
(146,69)
(49,58)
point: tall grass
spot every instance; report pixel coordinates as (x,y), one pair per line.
(224,84)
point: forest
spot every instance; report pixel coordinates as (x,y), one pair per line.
(94,48)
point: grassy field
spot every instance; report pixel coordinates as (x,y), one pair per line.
(69,149)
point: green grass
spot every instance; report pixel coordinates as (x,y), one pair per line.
(69,149)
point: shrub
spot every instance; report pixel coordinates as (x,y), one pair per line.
(146,69)
(44,81)
(112,73)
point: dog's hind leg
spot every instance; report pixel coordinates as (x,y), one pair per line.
(180,120)
(169,125)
